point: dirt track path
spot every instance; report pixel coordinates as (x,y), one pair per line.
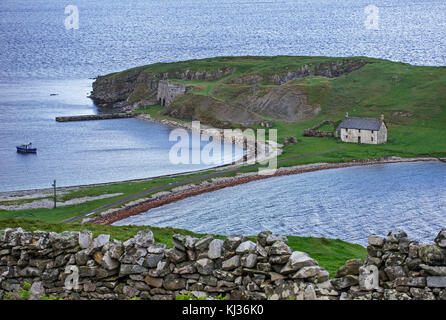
(186,181)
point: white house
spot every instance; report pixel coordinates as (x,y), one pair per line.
(362,130)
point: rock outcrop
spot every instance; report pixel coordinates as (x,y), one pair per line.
(278,98)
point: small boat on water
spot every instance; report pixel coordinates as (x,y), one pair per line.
(26,148)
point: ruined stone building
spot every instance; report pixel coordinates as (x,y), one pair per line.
(362,130)
(167,92)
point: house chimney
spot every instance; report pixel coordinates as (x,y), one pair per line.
(346,115)
(382,118)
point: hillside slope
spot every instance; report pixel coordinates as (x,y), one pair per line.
(297,93)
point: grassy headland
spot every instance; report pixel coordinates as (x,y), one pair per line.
(293,92)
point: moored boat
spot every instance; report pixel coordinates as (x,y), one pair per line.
(26,148)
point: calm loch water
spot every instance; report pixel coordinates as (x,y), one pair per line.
(348,203)
(38,57)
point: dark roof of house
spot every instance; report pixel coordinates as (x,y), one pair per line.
(360,123)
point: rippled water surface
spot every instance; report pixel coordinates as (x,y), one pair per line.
(348,203)
(38,57)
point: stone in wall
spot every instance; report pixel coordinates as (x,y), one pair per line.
(74,265)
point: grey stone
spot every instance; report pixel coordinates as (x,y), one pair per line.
(395,259)
(231,263)
(185,268)
(232,242)
(279,259)
(37,290)
(144,238)
(434,271)
(260,250)
(151,261)
(173,283)
(215,249)
(395,236)
(368,278)
(202,244)
(179,242)
(275,237)
(440,239)
(101,240)
(296,261)
(116,250)
(280,248)
(127,269)
(64,240)
(108,262)
(130,292)
(432,255)
(85,239)
(204,266)
(376,241)
(395,272)
(81,257)
(158,248)
(262,236)
(309,293)
(345,282)
(351,267)
(307,272)
(50,275)
(436,282)
(249,260)
(246,247)
(175,255)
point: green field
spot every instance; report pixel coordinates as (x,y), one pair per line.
(412,99)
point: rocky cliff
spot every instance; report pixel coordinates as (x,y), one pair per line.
(234,92)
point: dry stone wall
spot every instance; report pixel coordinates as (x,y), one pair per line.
(74,265)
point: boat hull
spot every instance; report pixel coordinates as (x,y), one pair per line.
(26,150)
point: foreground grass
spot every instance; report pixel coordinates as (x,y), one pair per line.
(330,253)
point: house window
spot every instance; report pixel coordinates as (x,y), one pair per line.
(372,138)
(359,130)
(372,131)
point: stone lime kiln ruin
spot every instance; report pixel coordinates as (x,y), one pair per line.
(168,92)
(74,265)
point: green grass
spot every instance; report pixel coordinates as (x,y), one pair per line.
(412,98)
(331,254)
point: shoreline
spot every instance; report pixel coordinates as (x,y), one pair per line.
(162,198)
(274,149)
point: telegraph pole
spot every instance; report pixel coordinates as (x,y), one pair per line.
(54,186)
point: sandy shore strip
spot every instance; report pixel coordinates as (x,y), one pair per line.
(256,151)
(182,192)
